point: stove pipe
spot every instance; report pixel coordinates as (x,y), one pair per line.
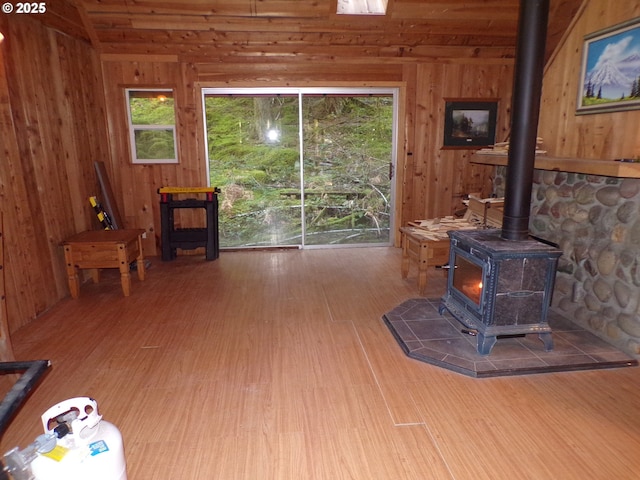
(525,109)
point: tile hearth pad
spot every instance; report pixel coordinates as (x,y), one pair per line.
(427,336)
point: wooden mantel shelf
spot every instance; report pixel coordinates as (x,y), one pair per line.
(605,168)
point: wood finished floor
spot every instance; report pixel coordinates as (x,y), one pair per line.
(277,365)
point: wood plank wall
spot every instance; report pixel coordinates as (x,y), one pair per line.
(601,136)
(135,186)
(53,126)
(436,179)
(431,183)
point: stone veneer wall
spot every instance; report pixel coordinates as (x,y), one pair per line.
(595,220)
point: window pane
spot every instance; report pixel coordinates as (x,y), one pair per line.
(348,145)
(152,126)
(254,157)
(154,144)
(152,107)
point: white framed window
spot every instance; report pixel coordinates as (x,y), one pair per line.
(152,125)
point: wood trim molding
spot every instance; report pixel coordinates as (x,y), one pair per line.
(605,168)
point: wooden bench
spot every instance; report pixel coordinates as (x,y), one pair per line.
(423,249)
(98,249)
(426,242)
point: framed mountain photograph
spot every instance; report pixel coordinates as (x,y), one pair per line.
(610,73)
(469,123)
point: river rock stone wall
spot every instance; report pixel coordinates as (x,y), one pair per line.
(595,221)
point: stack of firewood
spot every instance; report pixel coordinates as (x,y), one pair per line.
(502,148)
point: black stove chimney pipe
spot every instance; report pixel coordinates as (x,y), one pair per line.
(525,109)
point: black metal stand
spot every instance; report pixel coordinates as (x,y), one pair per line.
(189,238)
(13,400)
(33,371)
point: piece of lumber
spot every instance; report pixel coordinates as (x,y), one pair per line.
(108,199)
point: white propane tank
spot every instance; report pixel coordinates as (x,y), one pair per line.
(92,450)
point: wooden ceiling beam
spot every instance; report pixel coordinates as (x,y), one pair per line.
(467,25)
(456,10)
(301,40)
(236,8)
(86,23)
(470,27)
(341,54)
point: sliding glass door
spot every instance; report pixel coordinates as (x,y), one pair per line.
(254,157)
(301,167)
(348,149)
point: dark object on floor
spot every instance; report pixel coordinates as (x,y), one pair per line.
(31,373)
(173,238)
(425,335)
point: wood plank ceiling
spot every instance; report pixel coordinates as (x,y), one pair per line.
(291,30)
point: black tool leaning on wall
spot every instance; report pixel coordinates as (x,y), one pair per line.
(103,216)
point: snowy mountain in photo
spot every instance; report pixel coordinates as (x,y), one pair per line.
(611,79)
(616,66)
(630,66)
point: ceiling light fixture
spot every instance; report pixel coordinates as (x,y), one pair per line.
(362,7)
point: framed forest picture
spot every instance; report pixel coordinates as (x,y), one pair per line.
(469,123)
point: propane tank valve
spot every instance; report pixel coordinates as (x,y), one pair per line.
(18,462)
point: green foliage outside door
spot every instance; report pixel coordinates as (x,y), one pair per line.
(340,193)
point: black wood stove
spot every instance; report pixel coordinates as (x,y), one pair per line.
(499,287)
(500,281)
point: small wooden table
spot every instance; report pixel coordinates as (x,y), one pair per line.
(425,250)
(103,249)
